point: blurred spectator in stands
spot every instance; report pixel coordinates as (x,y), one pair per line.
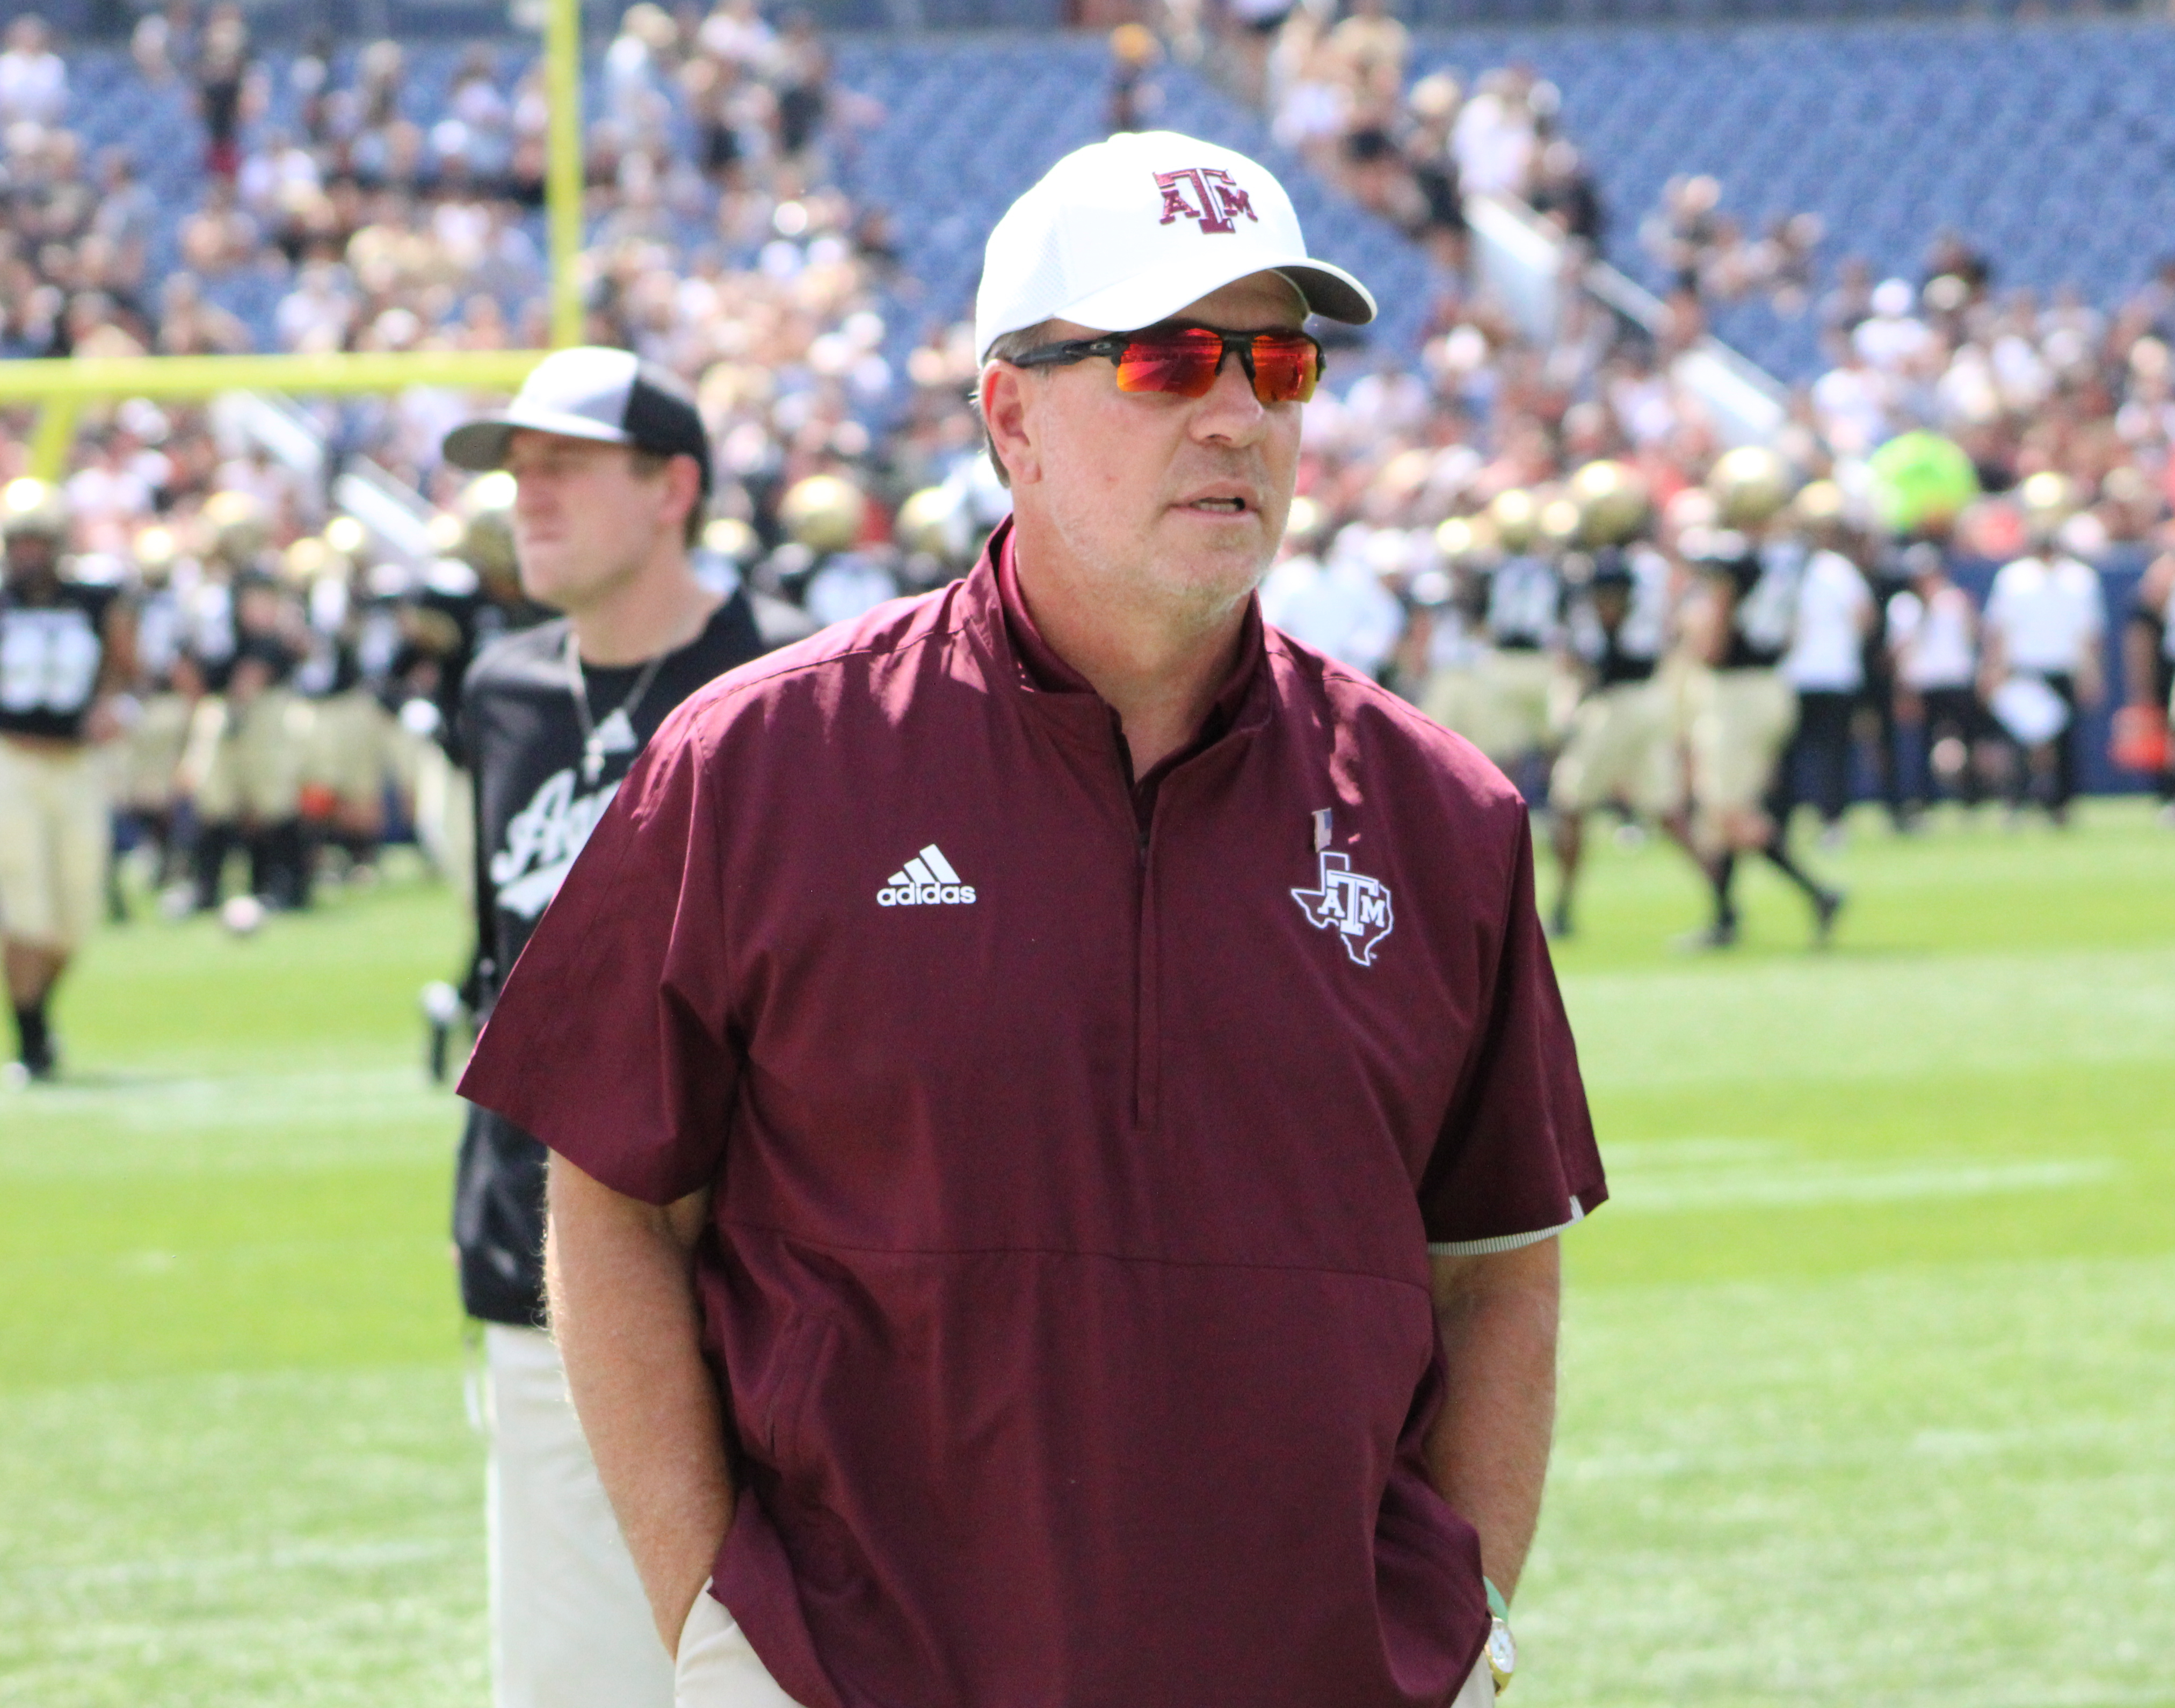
(219,237)
(151,46)
(1949,256)
(310,83)
(1254,35)
(1848,300)
(1780,266)
(1435,208)
(382,75)
(276,176)
(1565,194)
(95,327)
(1376,47)
(1680,233)
(1497,137)
(127,212)
(189,325)
(1851,402)
(1134,98)
(1315,98)
(32,80)
(735,32)
(727,107)
(475,141)
(316,315)
(222,78)
(637,64)
(803,83)
(1892,336)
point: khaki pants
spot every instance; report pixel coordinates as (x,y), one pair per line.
(56,835)
(718,1668)
(571,1627)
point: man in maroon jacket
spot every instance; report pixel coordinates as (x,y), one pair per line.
(1061,1109)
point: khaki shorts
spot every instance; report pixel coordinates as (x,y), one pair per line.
(1623,747)
(56,835)
(1741,722)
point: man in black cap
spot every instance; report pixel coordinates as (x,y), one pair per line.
(613,467)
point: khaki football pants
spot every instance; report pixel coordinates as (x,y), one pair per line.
(1741,722)
(56,835)
(1623,747)
(245,763)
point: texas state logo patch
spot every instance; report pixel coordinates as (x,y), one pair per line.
(1351,904)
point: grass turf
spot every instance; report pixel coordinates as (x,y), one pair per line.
(1867,1364)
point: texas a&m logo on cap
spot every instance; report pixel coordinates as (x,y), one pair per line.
(1221,201)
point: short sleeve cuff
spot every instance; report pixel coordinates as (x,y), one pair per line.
(1506,1242)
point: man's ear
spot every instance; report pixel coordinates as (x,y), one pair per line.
(683,491)
(1004,411)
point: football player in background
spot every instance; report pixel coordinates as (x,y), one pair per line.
(1743,710)
(1622,749)
(67,650)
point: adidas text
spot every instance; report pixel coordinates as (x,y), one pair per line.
(926,880)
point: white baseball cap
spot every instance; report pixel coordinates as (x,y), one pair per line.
(1124,233)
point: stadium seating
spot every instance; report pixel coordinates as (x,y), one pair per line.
(966,126)
(412,20)
(966,129)
(2046,144)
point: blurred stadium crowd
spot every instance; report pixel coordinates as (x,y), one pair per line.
(1506,529)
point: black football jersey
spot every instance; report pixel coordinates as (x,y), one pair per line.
(1765,617)
(51,658)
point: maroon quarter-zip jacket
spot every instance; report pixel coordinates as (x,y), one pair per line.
(1077,1144)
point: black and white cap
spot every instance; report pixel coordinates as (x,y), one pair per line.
(608,395)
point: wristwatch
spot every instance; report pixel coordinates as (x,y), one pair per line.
(1502,1648)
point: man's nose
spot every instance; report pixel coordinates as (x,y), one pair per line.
(1230,411)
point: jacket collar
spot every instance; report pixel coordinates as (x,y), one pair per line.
(999,618)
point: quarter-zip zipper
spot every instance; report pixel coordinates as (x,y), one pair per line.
(1147,1042)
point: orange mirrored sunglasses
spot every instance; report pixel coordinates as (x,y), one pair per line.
(1284,366)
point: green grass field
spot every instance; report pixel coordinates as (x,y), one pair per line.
(1869,1367)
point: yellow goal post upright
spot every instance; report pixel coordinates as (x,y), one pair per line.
(60,387)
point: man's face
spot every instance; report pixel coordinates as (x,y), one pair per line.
(33,564)
(1164,499)
(585,520)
